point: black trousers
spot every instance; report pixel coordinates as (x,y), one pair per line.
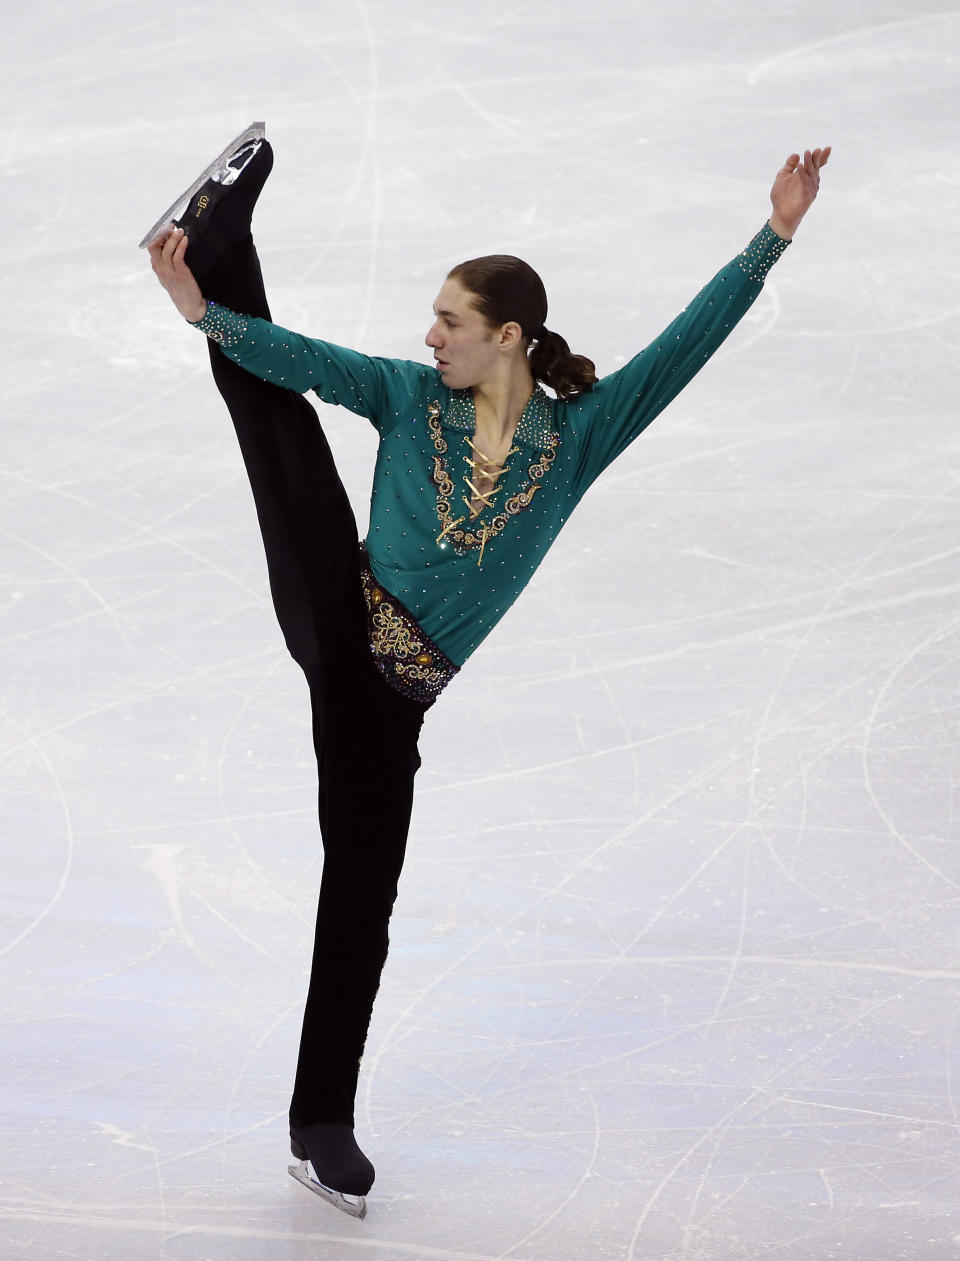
(365,734)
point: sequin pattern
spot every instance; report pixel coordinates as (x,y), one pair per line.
(762,252)
(221,325)
(459,593)
(404,654)
(467,540)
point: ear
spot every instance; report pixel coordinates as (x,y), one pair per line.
(511,334)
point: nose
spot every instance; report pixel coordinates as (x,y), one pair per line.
(433,338)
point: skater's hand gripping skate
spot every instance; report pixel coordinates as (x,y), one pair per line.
(167,259)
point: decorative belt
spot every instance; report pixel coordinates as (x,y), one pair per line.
(404,653)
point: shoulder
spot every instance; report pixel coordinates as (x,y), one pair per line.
(406,373)
(408,389)
(574,412)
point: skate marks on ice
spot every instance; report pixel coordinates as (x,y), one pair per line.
(874,44)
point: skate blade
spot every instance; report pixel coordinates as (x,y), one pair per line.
(356,1207)
(256,131)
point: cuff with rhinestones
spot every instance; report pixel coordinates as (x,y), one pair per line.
(762,252)
(221,325)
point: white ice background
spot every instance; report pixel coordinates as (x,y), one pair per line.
(675,967)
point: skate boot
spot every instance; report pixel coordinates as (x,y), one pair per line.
(215,211)
(332,1165)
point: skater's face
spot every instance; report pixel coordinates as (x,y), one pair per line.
(466,350)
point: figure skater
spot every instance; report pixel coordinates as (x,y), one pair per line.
(477,469)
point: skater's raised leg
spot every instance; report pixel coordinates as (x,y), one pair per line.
(308,526)
(365,734)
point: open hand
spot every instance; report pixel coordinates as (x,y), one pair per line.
(794,190)
(167,259)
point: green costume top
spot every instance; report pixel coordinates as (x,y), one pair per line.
(456,573)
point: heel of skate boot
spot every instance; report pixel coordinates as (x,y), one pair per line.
(335,1158)
(297,1149)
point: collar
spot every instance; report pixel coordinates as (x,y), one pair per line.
(534,428)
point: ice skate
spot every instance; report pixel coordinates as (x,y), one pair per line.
(194,207)
(332,1166)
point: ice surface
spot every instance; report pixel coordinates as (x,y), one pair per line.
(675,969)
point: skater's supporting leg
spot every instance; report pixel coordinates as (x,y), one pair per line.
(366,742)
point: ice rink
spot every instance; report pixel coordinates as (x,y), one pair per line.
(675,966)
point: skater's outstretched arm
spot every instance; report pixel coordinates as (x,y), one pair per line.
(381,390)
(624,403)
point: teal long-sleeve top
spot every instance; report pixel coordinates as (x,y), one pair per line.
(455,573)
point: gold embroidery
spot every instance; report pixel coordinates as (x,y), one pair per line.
(467,540)
(450,525)
(402,651)
(392,637)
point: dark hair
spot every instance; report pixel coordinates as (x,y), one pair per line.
(507,289)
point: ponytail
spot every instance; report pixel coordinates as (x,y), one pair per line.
(552,362)
(505,288)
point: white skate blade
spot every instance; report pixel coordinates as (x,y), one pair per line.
(256,131)
(356,1206)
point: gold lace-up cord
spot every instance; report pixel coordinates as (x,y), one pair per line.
(489,468)
(458,531)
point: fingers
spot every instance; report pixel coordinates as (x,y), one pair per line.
(168,249)
(814,159)
(171,244)
(818,159)
(155,248)
(167,253)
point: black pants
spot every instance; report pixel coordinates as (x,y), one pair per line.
(365,734)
